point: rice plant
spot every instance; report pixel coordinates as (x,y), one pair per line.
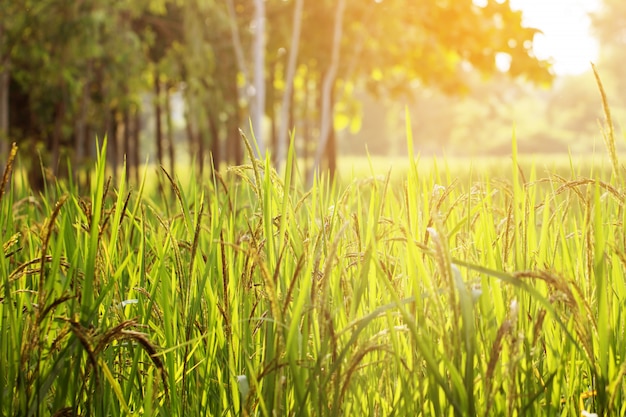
(250,294)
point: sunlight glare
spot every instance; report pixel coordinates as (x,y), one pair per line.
(566,37)
(503,61)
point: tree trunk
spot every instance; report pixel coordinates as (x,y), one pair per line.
(286,106)
(200,151)
(113,142)
(239,91)
(89,141)
(159,124)
(189,128)
(331,145)
(258,52)
(331,154)
(326,121)
(135,139)
(308,119)
(57,134)
(215,137)
(233,124)
(236,41)
(270,105)
(80,127)
(4,106)
(170,131)
(233,139)
(4,111)
(127,139)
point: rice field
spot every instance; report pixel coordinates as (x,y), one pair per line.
(252,294)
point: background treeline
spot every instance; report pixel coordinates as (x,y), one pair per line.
(560,117)
(177,79)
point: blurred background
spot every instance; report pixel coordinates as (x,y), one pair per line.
(173,81)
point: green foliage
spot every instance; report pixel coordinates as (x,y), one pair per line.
(80,65)
(556,121)
(609,27)
(475,295)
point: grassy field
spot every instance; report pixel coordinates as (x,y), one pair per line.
(492,292)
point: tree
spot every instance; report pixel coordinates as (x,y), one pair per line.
(258,107)
(12,31)
(609,27)
(394,44)
(76,63)
(253,88)
(82,66)
(289,80)
(329,78)
(4,102)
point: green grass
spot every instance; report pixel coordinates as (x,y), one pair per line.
(432,293)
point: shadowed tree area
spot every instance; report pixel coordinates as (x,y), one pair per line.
(73,71)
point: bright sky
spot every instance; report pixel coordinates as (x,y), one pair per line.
(566,30)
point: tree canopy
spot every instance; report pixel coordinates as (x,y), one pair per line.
(77,69)
(609,27)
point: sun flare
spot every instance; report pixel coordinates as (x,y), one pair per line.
(566,37)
